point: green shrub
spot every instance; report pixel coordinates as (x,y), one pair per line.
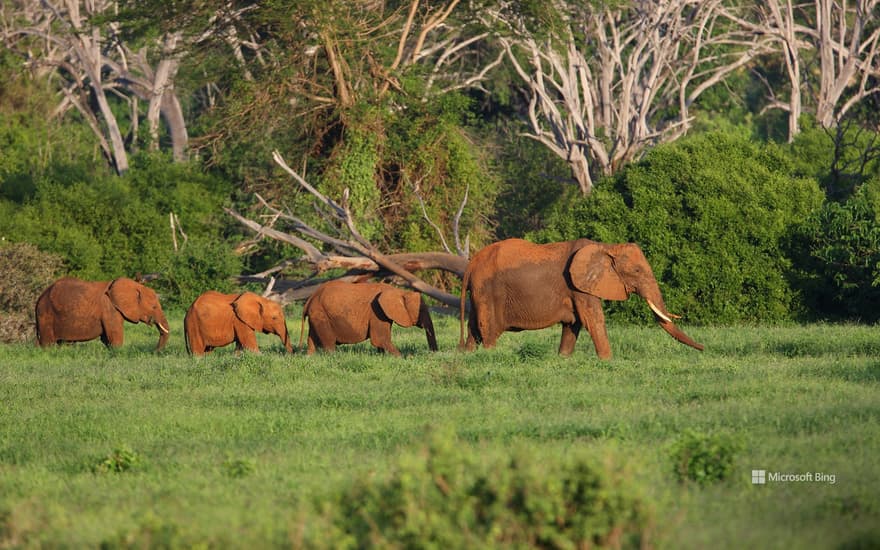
(151,531)
(837,252)
(238,468)
(448,495)
(704,458)
(122,459)
(109,226)
(200,265)
(25,272)
(711,213)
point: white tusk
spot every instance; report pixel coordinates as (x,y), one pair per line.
(657,311)
(165,330)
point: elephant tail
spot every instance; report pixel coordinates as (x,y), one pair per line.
(302,322)
(189,325)
(186,330)
(465,281)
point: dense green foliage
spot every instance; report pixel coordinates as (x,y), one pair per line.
(839,257)
(128,448)
(106,226)
(704,458)
(711,213)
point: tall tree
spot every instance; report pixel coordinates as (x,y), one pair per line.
(606,80)
(830,52)
(82,46)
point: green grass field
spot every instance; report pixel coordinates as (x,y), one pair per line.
(232,451)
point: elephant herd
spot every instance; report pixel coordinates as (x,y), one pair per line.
(514,285)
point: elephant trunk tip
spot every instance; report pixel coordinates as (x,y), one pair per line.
(679,335)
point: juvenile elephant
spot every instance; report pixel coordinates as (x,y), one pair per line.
(348,313)
(72,310)
(215,319)
(517,285)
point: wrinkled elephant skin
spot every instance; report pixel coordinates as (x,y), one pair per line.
(73,310)
(215,320)
(517,285)
(348,313)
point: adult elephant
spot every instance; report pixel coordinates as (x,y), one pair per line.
(73,310)
(517,285)
(215,320)
(348,313)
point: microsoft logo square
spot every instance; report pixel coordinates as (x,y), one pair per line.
(759,477)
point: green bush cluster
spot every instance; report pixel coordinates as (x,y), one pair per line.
(712,213)
(25,272)
(105,226)
(837,253)
(121,459)
(450,495)
(704,458)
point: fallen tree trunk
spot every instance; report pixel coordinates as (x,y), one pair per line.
(356,254)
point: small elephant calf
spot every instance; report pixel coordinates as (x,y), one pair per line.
(348,313)
(216,319)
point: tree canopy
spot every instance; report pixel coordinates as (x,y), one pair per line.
(426,119)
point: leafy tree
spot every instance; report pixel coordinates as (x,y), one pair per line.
(711,213)
(837,253)
(108,226)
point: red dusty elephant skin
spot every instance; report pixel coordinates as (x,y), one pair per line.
(348,313)
(72,310)
(517,285)
(215,320)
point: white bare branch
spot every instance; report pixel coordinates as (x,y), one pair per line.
(617,78)
(359,254)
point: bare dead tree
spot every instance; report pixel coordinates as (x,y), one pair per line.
(351,251)
(449,48)
(614,78)
(831,46)
(58,39)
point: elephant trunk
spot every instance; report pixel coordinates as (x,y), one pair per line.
(162,325)
(426,323)
(651,294)
(285,339)
(679,335)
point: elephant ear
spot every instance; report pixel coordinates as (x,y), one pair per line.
(394,304)
(592,271)
(125,295)
(249,308)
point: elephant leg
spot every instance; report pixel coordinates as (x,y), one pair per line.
(247,339)
(46,334)
(473,332)
(380,337)
(570,332)
(488,325)
(590,311)
(112,334)
(321,336)
(195,343)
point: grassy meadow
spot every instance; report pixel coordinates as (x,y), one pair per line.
(131,448)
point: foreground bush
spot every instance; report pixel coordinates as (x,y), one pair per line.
(25,272)
(448,495)
(712,214)
(704,458)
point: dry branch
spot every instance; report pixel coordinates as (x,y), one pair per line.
(355,253)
